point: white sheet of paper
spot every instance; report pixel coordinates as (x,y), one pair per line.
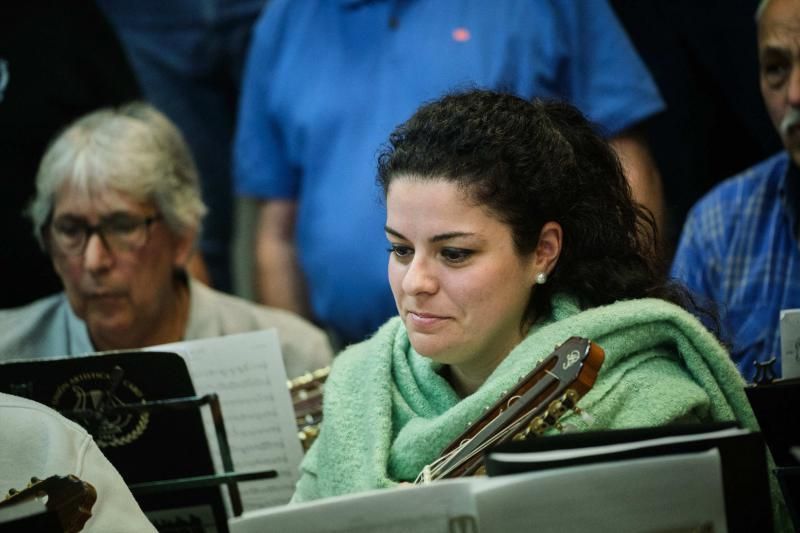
(663,493)
(441,507)
(246,371)
(790,342)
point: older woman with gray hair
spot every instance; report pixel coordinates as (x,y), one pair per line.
(118,210)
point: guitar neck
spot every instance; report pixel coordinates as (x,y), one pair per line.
(70,498)
(535,404)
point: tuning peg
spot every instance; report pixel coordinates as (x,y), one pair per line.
(537,426)
(585,416)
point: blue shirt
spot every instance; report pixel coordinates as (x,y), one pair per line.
(739,249)
(327,81)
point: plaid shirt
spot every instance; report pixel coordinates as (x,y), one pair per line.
(739,248)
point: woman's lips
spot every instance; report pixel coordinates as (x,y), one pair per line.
(425,321)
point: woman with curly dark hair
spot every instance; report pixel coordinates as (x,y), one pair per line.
(511,228)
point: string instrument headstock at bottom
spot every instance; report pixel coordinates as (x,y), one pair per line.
(307,393)
(536,404)
(70,498)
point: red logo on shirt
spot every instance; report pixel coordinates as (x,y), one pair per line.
(461,35)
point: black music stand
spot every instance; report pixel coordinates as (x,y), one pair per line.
(776,405)
(142,411)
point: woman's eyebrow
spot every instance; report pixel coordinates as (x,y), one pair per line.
(450,235)
(394,232)
(435,238)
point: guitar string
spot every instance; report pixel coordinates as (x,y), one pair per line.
(473,454)
(437,469)
(441,472)
(435,465)
(513,427)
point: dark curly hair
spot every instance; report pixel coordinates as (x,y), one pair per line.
(533,162)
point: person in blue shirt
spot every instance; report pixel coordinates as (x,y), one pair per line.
(325,84)
(739,246)
(188,56)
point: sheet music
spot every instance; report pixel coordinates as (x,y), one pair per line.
(678,493)
(663,493)
(246,370)
(442,507)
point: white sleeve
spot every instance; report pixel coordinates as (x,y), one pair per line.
(115,510)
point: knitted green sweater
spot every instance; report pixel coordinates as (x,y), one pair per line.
(388,412)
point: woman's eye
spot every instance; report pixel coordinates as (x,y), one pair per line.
(400,250)
(455,255)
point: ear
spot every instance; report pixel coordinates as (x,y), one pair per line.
(183,248)
(548,249)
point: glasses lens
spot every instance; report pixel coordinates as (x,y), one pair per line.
(69,236)
(124,233)
(121,233)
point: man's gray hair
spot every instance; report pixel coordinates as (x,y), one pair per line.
(762,5)
(134,150)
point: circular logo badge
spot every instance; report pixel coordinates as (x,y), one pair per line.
(89,395)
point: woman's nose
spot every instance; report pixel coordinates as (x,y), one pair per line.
(420,277)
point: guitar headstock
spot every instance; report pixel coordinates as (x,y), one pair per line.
(537,402)
(70,498)
(307,392)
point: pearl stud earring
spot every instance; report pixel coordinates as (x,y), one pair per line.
(541,278)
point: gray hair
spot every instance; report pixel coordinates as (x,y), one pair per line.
(133,149)
(762,5)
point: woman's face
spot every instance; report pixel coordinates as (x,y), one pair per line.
(458,282)
(123,293)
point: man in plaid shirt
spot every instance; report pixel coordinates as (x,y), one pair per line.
(739,246)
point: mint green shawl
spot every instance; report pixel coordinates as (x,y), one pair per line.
(388,412)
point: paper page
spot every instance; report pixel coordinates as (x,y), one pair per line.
(441,507)
(246,371)
(790,342)
(665,493)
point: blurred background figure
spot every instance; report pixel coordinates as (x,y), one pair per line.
(327,81)
(739,244)
(703,58)
(188,57)
(58,60)
(118,210)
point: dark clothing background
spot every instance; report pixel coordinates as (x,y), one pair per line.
(704,58)
(188,56)
(62,60)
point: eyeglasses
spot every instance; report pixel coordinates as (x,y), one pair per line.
(119,233)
